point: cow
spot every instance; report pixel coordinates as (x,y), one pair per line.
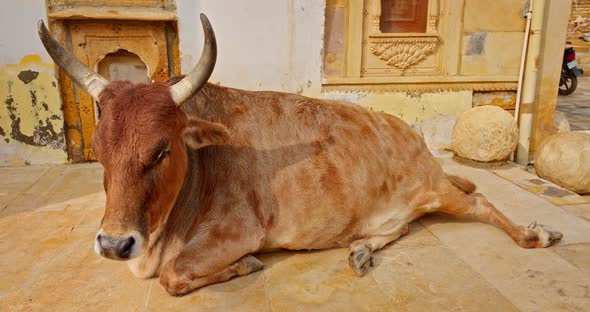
(199,178)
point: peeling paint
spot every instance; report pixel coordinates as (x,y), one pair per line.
(27,76)
(409,106)
(503,99)
(31,119)
(475,45)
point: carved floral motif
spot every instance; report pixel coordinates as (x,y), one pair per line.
(404,52)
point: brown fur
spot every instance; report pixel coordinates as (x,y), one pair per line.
(462,183)
(288,172)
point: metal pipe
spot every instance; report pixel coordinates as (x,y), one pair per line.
(527,14)
(529,84)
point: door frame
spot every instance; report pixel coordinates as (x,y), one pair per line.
(77,105)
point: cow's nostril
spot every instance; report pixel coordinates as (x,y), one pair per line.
(116,247)
(125,247)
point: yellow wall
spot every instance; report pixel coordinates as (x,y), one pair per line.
(411,107)
(31,123)
(476,61)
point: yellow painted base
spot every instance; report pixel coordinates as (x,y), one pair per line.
(411,107)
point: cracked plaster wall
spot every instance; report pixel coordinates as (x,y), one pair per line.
(31,119)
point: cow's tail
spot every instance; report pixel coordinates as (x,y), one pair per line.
(462,183)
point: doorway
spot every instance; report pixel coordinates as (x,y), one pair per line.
(138,51)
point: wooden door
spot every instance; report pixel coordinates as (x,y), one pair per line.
(403,16)
(152,42)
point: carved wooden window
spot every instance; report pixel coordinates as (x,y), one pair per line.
(403,16)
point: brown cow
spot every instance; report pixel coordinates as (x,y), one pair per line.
(193,193)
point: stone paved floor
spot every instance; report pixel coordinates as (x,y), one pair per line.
(49,215)
(576,106)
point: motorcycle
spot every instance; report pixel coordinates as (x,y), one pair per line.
(568,81)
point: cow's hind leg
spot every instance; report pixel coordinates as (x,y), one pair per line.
(476,205)
(361,251)
(178,285)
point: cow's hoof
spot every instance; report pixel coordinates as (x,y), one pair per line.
(540,236)
(246,265)
(173,283)
(177,288)
(361,260)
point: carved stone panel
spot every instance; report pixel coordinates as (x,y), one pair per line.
(402,55)
(403,52)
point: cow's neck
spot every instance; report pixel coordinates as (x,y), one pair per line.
(184,209)
(168,238)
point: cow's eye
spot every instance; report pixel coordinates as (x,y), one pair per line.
(159,153)
(163,154)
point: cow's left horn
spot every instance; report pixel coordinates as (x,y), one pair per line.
(92,82)
(189,85)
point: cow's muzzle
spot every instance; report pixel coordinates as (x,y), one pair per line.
(118,247)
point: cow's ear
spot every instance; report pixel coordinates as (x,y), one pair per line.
(199,133)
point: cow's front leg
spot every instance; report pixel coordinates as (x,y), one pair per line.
(217,251)
(178,285)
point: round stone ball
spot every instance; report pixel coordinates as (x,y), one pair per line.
(564,159)
(485,133)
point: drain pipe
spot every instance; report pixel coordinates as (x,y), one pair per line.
(526,13)
(526,98)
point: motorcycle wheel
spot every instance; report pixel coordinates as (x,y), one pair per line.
(568,84)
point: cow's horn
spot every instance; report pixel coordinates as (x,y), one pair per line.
(92,82)
(189,85)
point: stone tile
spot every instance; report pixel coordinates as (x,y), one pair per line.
(520,206)
(434,279)
(79,180)
(5,200)
(112,288)
(319,281)
(418,236)
(28,243)
(15,180)
(54,201)
(576,106)
(403,279)
(554,193)
(58,188)
(245,293)
(578,255)
(582,211)
(45,183)
(532,279)
(48,261)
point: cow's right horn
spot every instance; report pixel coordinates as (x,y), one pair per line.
(189,85)
(92,82)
